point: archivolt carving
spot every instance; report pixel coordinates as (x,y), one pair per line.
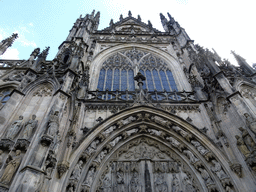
(186,147)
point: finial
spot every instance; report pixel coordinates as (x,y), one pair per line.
(93,13)
(139,18)
(121,17)
(129,14)
(149,24)
(45,52)
(171,18)
(111,22)
(97,15)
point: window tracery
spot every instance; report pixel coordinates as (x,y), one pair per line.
(118,71)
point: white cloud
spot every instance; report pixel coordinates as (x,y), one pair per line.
(10,53)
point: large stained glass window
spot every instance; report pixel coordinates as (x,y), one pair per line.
(118,71)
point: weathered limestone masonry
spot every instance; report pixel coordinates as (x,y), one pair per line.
(127,109)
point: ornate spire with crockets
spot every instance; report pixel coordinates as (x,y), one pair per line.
(243,64)
(6,43)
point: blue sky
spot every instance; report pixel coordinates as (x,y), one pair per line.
(222,25)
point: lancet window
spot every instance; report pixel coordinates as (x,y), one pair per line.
(118,71)
(4,96)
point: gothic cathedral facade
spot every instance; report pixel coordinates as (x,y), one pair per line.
(127,109)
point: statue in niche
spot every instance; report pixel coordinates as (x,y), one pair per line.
(251,122)
(242,147)
(53,124)
(90,176)
(92,148)
(218,170)
(126,121)
(109,130)
(120,182)
(199,147)
(205,175)
(101,156)
(115,141)
(130,132)
(29,127)
(14,128)
(76,173)
(13,163)
(187,184)
(191,156)
(247,139)
(135,183)
(175,184)
(55,145)
(106,186)
(160,120)
(155,132)
(173,142)
(160,184)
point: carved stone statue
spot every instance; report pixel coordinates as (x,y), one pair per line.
(160,184)
(14,128)
(135,183)
(218,170)
(12,166)
(251,122)
(247,139)
(175,184)
(199,147)
(190,156)
(106,186)
(242,147)
(29,127)
(92,148)
(115,141)
(90,176)
(53,124)
(155,132)
(205,175)
(77,171)
(173,142)
(109,130)
(100,156)
(120,182)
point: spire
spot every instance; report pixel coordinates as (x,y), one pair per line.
(44,53)
(243,64)
(97,16)
(171,18)
(129,13)
(6,43)
(92,15)
(164,22)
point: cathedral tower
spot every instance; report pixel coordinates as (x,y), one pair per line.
(127,108)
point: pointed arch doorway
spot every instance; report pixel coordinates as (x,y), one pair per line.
(147,149)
